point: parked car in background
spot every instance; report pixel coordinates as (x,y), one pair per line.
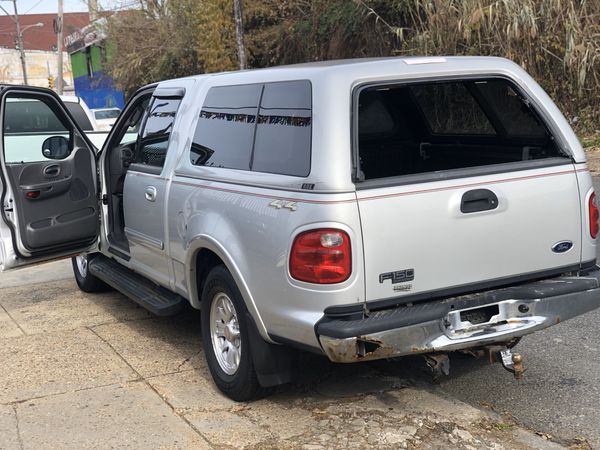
(85,119)
(360,209)
(80,112)
(106,117)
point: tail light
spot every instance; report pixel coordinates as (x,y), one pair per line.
(593,211)
(321,256)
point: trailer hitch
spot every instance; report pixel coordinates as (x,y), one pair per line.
(512,362)
(437,365)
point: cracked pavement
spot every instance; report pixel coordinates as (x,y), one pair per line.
(96,371)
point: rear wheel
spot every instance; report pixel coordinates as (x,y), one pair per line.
(225,337)
(86,281)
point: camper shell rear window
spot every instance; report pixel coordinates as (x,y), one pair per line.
(440,127)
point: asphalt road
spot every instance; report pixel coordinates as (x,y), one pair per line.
(560,394)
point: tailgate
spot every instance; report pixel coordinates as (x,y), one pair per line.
(423,237)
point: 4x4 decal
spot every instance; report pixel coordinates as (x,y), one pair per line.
(292,206)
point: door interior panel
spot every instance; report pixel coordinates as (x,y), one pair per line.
(55,201)
(49,202)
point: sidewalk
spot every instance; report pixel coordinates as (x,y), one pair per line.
(96,371)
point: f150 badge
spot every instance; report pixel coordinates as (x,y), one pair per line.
(399,276)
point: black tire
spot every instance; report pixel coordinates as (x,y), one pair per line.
(86,281)
(241,385)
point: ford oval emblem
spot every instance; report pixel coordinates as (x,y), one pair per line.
(562,246)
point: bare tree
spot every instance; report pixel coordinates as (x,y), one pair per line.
(239,33)
(154,42)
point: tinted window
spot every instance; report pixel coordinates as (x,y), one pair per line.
(409,129)
(154,140)
(225,130)
(283,133)
(106,114)
(30,116)
(375,118)
(79,115)
(516,116)
(449,108)
(130,125)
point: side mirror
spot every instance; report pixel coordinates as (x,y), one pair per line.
(55,147)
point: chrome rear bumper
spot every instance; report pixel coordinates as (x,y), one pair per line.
(459,326)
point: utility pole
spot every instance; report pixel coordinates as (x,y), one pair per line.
(239,33)
(20,31)
(20,43)
(93,10)
(58,29)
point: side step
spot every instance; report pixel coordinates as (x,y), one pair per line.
(153,297)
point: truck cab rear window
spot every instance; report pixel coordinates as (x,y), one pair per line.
(430,127)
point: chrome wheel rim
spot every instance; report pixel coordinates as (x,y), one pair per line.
(225,333)
(82,264)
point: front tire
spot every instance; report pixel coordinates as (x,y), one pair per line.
(225,337)
(86,281)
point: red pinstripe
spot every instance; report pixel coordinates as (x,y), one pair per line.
(376,197)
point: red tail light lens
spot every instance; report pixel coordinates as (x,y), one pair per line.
(321,256)
(593,210)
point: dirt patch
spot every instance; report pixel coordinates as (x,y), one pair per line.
(593,158)
(592,151)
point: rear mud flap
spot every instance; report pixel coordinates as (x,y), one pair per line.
(274,364)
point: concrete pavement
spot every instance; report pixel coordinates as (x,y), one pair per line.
(96,371)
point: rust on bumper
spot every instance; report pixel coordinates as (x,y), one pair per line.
(454,332)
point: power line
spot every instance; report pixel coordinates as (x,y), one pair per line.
(33,7)
(8,14)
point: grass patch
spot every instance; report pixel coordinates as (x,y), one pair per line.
(591,142)
(503,426)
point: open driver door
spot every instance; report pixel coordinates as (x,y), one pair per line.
(49,205)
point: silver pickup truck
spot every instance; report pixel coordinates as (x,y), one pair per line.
(360,209)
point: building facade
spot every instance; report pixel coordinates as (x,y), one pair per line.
(41,68)
(89,52)
(85,53)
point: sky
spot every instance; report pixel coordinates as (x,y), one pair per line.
(51,6)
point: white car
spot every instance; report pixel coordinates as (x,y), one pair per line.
(80,112)
(106,117)
(84,117)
